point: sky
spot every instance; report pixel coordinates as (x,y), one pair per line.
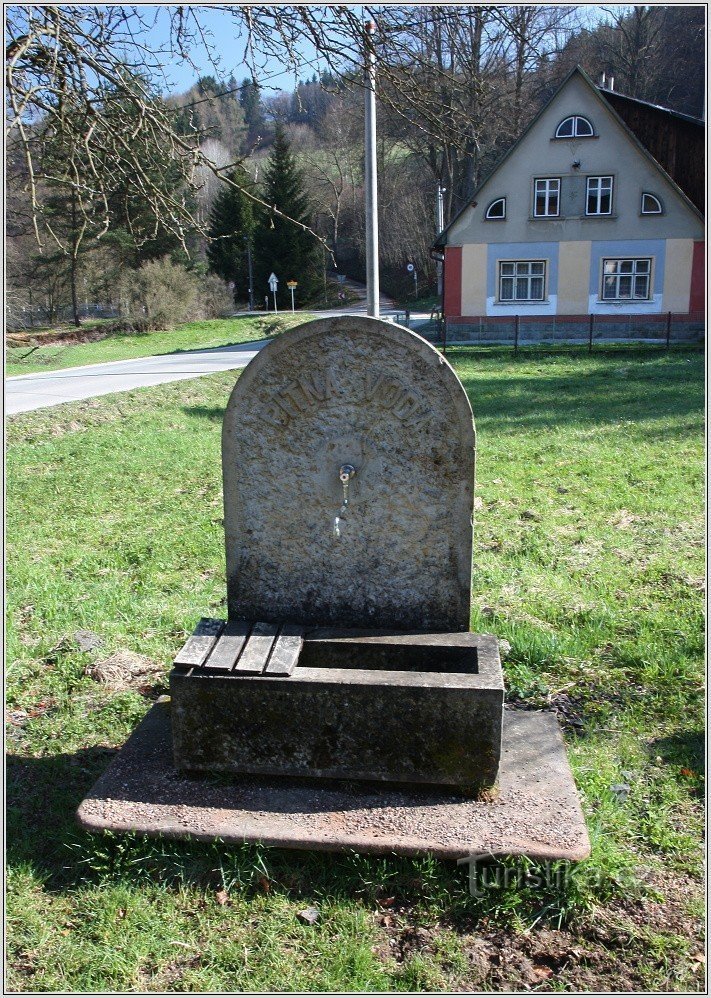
(228,47)
(223,36)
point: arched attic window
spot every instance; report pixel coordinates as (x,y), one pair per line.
(497,209)
(574,127)
(651,205)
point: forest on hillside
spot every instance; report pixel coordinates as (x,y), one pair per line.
(121,197)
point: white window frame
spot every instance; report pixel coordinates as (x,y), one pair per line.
(575,133)
(599,180)
(645,211)
(551,187)
(634,273)
(496,218)
(521,270)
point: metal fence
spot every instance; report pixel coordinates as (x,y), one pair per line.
(665,329)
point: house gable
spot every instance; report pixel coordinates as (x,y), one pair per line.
(612,151)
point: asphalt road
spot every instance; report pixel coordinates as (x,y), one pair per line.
(41,391)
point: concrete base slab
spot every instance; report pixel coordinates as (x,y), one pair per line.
(536,814)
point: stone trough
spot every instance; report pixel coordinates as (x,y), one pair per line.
(348,467)
(362,705)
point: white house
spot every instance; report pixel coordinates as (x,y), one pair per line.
(596,209)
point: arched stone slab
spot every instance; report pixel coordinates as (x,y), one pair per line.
(372,394)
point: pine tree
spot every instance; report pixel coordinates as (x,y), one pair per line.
(231,226)
(281,246)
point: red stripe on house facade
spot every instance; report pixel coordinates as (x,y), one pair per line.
(452,303)
(697,297)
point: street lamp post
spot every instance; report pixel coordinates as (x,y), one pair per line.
(440,225)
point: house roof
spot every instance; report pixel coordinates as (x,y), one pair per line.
(676,141)
(606,92)
(619,114)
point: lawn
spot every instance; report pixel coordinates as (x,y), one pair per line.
(588,560)
(29,359)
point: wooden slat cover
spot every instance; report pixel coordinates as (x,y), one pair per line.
(229,646)
(256,652)
(200,643)
(287,649)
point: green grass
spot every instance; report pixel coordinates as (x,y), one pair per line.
(27,359)
(589,561)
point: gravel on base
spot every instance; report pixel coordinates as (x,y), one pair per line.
(537,812)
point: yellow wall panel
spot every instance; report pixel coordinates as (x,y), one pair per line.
(573,278)
(677,275)
(474,279)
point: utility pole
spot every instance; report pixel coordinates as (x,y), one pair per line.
(440,225)
(371,179)
(250,291)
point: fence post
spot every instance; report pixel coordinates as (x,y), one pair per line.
(590,333)
(516,334)
(444,332)
(668,328)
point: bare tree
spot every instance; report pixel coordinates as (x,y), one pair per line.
(460,82)
(335,168)
(69,84)
(654,52)
(633,48)
(71,74)
(209,184)
(66,66)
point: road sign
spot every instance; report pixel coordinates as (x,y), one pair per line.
(410,267)
(273,281)
(291,285)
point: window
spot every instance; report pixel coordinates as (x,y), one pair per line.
(651,205)
(497,209)
(599,196)
(626,280)
(574,127)
(546,197)
(522,280)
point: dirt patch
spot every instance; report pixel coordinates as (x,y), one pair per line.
(155,978)
(570,710)
(125,670)
(66,336)
(612,950)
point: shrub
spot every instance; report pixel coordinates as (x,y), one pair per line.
(215,298)
(159,295)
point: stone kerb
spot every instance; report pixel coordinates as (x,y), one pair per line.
(370,394)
